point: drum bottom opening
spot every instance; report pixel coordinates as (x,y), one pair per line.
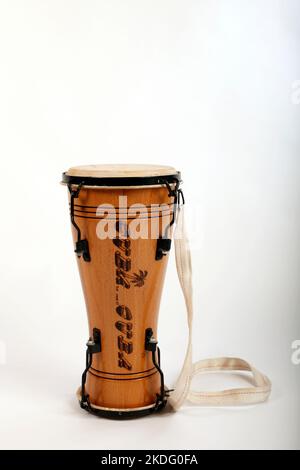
(115,413)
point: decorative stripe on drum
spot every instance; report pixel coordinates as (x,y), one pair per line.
(154,205)
(120,373)
(123,218)
(120,379)
(127,211)
(137,212)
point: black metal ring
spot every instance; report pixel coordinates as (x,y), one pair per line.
(122,181)
(122,415)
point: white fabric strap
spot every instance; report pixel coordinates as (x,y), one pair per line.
(240,396)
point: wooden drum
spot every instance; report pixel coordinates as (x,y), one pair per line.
(122,218)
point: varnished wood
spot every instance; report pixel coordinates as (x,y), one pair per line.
(108,384)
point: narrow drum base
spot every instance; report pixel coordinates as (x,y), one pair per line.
(115,413)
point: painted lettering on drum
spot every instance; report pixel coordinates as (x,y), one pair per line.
(124,312)
(125,328)
(123,362)
(124,280)
(124,246)
(123,345)
(123,267)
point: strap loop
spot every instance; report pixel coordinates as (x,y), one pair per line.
(240,396)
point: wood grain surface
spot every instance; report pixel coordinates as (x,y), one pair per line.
(122,288)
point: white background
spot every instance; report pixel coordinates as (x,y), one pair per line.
(205,86)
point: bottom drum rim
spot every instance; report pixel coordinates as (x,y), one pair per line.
(120,413)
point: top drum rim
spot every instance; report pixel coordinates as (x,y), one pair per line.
(115,181)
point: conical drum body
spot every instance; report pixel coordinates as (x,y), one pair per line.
(121,219)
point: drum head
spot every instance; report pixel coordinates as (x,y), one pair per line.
(121,175)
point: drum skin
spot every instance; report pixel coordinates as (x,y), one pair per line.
(122,286)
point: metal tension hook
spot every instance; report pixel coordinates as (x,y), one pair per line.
(82,245)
